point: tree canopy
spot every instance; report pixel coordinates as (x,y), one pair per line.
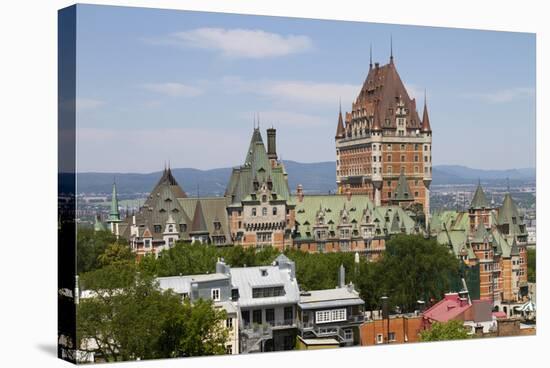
(452,330)
(90,245)
(127,317)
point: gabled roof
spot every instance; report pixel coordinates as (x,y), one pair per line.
(479,201)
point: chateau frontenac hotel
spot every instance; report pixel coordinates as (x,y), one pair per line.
(383,171)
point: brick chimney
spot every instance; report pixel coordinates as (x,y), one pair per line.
(300,193)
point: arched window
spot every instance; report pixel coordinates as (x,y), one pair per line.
(274,211)
(253,212)
(264,211)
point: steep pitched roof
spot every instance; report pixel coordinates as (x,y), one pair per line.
(508,214)
(479,201)
(199,223)
(168,179)
(480,235)
(425,119)
(383,89)
(257,168)
(403,191)
(340,131)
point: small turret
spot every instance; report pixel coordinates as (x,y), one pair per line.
(340,130)
(426,128)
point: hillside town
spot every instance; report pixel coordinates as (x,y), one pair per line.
(383,178)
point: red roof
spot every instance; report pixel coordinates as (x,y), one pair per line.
(499,314)
(451,307)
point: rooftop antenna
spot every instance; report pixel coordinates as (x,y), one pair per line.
(198,191)
(508,184)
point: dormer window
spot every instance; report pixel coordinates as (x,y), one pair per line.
(183,228)
(264,198)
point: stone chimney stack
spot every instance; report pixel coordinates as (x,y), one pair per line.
(300,193)
(272,144)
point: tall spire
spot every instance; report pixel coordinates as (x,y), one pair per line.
(114,214)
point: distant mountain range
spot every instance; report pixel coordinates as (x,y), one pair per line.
(319,177)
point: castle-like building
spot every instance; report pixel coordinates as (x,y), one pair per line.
(383,171)
(492,238)
(383,148)
(258,210)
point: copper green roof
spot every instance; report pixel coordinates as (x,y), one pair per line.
(514,251)
(199,223)
(256,172)
(508,214)
(479,201)
(114,215)
(403,191)
(480,235)
(334,211)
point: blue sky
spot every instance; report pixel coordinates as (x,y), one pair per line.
(159,85)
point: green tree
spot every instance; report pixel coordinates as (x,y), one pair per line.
(90,245)
(195,331)
(531,265)
(116,253)
(125,315)
(411,268)
(452,330)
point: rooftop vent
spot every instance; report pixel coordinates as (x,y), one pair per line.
(263,272)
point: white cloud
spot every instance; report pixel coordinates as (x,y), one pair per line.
(87,104)
(240,43)
(503,95)
(295,90)
(173,89)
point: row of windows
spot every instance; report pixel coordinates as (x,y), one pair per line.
(333,315)
(264,211)
(376,170)
(266,292)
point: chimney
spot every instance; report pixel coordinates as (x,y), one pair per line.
(300,193)
(341,277)
(271,144)
(348,192)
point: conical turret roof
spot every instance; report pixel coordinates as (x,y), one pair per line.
(199,223)
(479,201)
(426,128)
(403,191)
(340,130)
